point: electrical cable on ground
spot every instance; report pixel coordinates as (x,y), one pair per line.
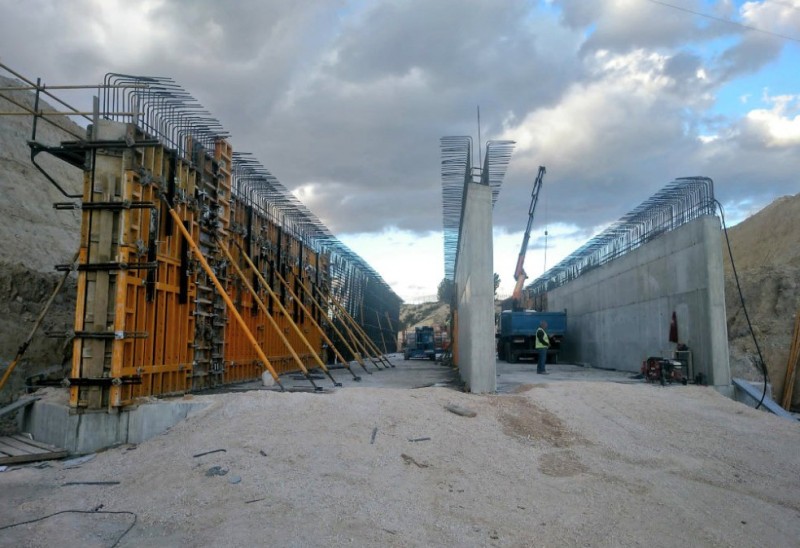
(744,308)
(96,511)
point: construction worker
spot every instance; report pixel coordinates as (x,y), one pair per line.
(542,344)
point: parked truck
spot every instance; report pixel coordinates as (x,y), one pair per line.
(516,337)
(420,343)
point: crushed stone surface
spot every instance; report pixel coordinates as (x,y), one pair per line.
(557,464)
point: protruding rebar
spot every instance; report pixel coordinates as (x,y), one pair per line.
(678,203)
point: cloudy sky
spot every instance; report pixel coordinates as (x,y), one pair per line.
(345,102)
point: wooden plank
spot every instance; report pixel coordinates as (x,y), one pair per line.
(8,443)
(22,402)
(34,457)
(17,449)
(791,366)
(10,450)
(34,443)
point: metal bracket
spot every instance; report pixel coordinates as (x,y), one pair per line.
(95,267)
(103,381)
(115,335)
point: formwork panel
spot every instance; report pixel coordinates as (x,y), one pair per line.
(151,319)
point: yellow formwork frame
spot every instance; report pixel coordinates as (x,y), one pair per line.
(305,310)
(380,330)
(204,264)
(353,338)
(365,342)
(274,324)
(360,330)
(353,351)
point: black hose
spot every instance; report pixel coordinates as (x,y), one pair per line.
(744,308)
(116,542)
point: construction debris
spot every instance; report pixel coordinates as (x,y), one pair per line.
(463,411)
(209,452)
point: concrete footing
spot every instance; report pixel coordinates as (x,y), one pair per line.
(86,432)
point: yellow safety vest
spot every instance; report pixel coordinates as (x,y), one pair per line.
(545,337)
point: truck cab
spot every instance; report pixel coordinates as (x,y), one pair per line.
(516,336)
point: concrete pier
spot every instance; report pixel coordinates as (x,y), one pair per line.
(474,277)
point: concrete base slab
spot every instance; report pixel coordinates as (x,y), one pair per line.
(85,432)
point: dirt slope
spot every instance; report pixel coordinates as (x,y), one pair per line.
(35,237)
(33,233)
(766,251)
(417,315)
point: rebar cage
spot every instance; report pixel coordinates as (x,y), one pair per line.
(678,203)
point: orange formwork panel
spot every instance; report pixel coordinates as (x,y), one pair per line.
(149,320)
(251,229)
(130,265)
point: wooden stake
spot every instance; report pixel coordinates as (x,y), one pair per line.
(791,366)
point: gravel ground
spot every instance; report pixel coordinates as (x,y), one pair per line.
(565,463)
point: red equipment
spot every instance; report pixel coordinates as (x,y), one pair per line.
(662,370)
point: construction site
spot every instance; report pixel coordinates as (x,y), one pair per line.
(189,356)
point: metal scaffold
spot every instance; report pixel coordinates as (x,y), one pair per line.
(197,267)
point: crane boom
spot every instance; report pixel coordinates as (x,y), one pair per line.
(519,271)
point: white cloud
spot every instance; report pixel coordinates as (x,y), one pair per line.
(345,101)
(412,263)
(779,126)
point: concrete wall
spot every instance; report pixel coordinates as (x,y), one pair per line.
(81,433)
(619,314)
(474,277)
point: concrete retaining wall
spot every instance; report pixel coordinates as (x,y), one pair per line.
(474,277)
(620,313)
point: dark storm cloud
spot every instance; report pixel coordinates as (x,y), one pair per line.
(346,101)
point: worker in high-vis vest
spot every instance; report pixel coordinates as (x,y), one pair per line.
(542,344)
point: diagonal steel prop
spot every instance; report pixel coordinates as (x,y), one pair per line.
(221,290)
(275,325)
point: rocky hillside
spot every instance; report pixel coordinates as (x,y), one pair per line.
(766,252)
(35,238)
(417,315)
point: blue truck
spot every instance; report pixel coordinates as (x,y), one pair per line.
(420,343)
(516,337)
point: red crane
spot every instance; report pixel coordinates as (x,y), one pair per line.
(519,272)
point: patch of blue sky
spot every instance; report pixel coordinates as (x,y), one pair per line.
(748,92)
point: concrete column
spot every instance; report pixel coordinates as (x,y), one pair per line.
(474,277)
(718,355)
